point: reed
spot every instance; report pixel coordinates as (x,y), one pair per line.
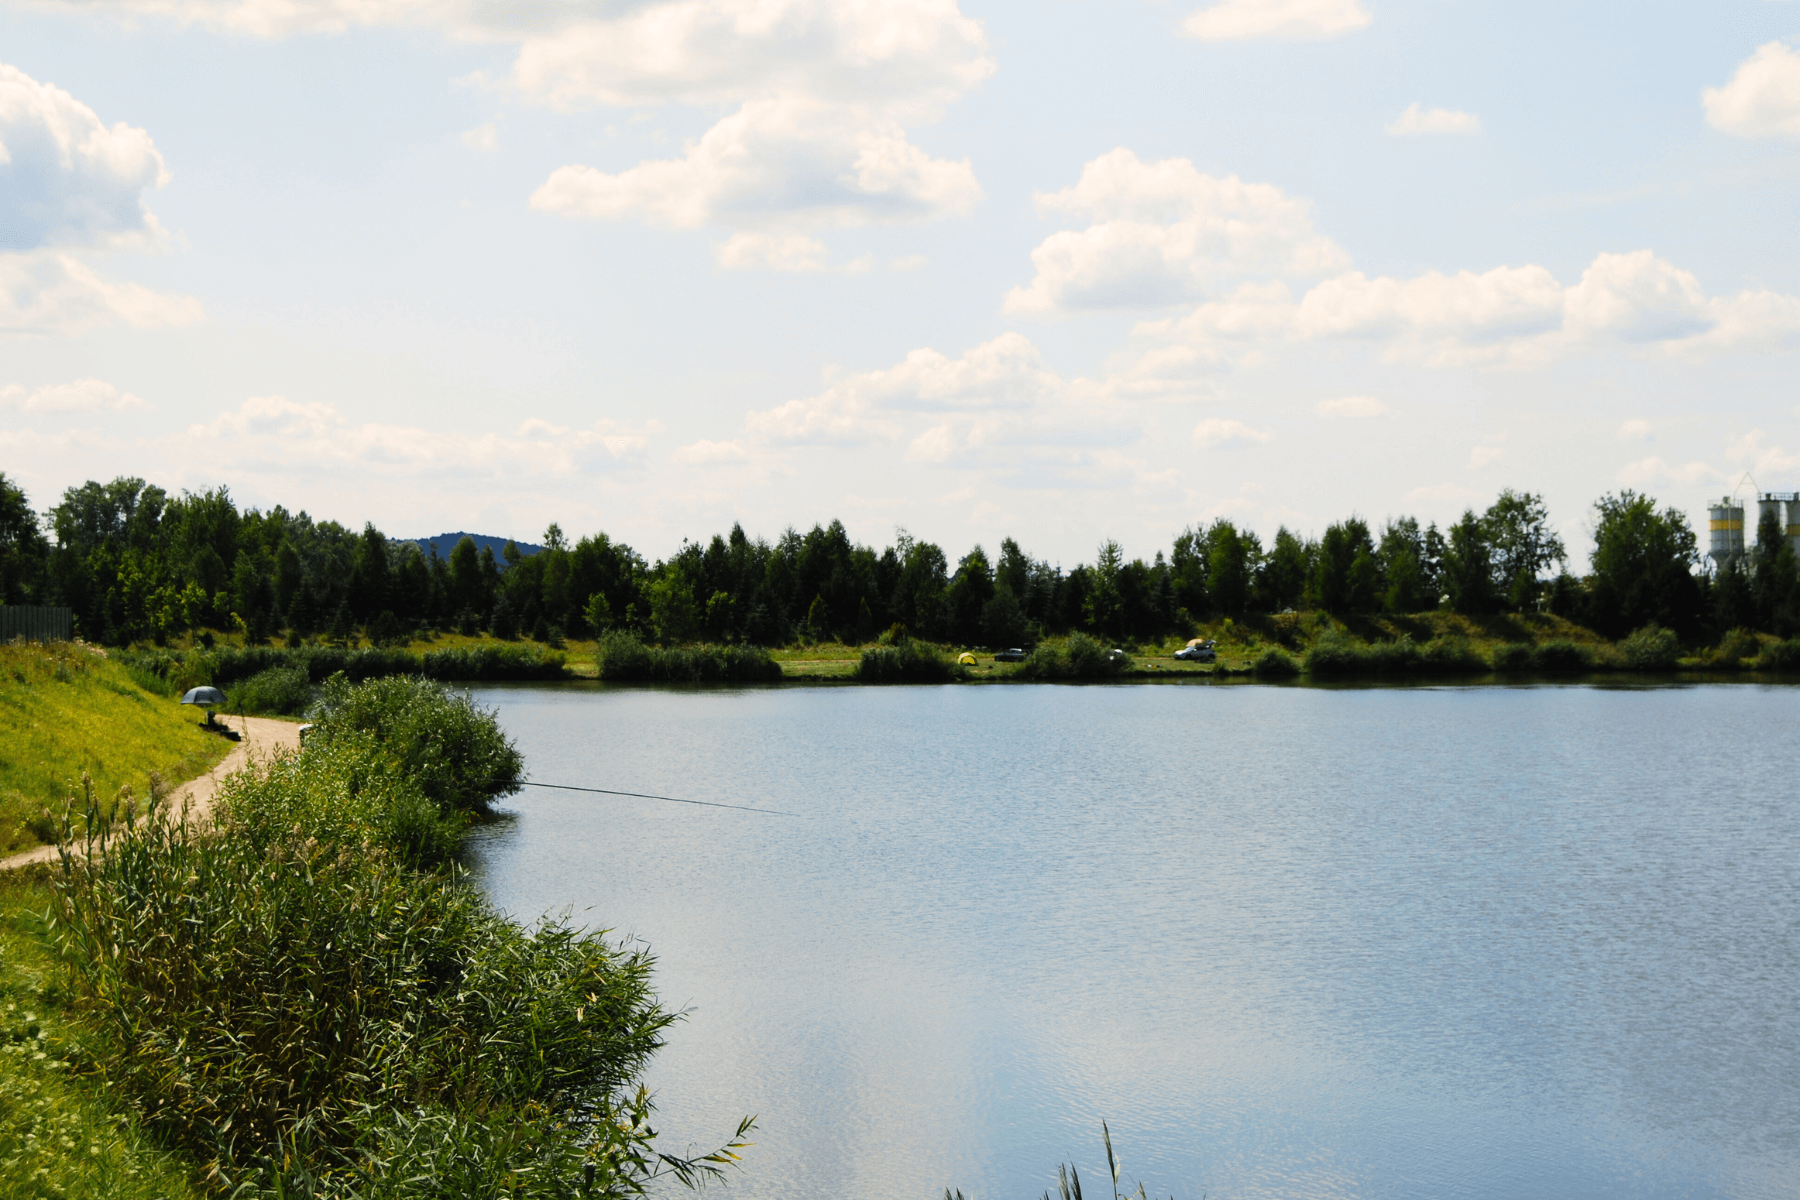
(908,661)
(622,658)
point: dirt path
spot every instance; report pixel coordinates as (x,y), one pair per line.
(261,737)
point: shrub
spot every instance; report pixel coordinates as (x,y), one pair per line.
(623,658)
(451,748)
(1564,656)
(276,692)
(1334,654)
(1452,656)
(1275,664)
(1651,648)
(909,661)
(1081,658)
(1781,656)
(1734,648)
(1515,656)
(227,665)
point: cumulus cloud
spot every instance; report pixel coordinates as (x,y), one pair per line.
(996,406)
(782,161)
(1237,19)
(1634,431)
(57,294)
(69,182)
(1484,456)
(1216,432)
(1763,97)
(773,252)
(484,137)
(1352,406)
(285,436)
(66,179)
(646,52)
(1505,315)
(1416,120)
(1165,232)
(83,395)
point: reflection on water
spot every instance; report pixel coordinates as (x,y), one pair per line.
(1292,942)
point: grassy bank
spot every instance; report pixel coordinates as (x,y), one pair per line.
(306,998)
(65,710)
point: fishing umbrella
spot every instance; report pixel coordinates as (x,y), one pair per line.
(205,697)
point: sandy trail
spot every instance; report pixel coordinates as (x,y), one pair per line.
(261,737)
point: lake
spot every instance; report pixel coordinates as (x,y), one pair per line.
(1415,942)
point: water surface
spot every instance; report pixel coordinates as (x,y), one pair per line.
(1288,942)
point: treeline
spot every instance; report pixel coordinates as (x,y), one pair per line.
(136,564)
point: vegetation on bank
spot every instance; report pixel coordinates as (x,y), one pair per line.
(305,997)
(623,658)
(68,710)
(138,565)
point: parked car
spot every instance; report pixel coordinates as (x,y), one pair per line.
(1203,652)
(1013,655)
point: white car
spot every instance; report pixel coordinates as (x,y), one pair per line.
(1201,653)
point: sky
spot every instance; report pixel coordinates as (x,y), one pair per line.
(1060,271)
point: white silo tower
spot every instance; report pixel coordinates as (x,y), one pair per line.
(1768,505)
(1725,532)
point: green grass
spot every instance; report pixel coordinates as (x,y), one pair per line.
(60,1136)
(65,710)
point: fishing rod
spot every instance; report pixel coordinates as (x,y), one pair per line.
(564,787)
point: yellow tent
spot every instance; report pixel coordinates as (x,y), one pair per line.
(966,659)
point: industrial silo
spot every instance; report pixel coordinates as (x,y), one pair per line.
(1726,532)
(1769,507)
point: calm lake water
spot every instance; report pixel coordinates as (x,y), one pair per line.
(1287,942)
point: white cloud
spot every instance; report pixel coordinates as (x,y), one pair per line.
(1234,19)
(1503,316)
(1634,431)
(1165,232)
(83,395)
(710,452)
(284,436)
(1222,431)
(66,179)
(1415,121)
(1484,456)
(772,252)
(633,52)
(484,137)
(57,294)
(785,161)
(1352,406)
(996,406)
(1762,99)
(1649,472)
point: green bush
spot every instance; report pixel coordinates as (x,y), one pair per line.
(623,658)
(1651,648)
(1515,656)
(1081,658)
(1337,655)
(1781,656)
(228,665)
(442,741)
(1564,656)
(286,998)
(1276,664)
(1734,648)
(908,661)
(276,692)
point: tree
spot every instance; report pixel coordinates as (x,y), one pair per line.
(22,547)
(1229,568)
(1468,570)
(1103,607)
(1522,546)
(1643,567)
(1400,557)
(1285,574)
(1345,579)
(1776,585)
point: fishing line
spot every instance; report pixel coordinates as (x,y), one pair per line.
(563,787)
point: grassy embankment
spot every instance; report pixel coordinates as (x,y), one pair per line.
(65,710)
(305,998)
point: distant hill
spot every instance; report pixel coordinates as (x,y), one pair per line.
(446,542)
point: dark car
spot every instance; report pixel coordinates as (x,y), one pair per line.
(1013,655)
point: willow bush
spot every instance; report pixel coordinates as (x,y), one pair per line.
(908,661)
(1081,657)
(1336,654)
(305,996)
(623,658)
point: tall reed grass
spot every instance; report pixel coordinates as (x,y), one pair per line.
(907,661)
(623,658)
(307,998)
(1335,655)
